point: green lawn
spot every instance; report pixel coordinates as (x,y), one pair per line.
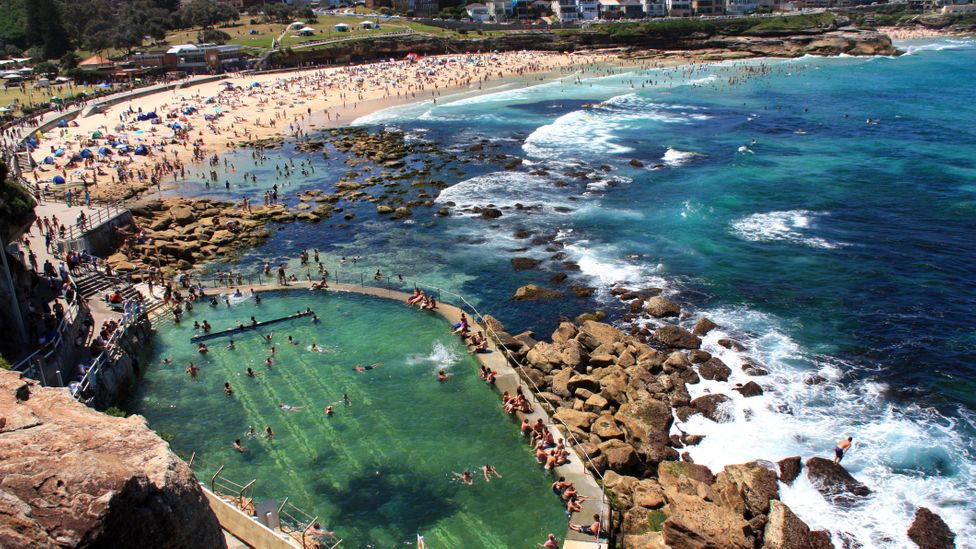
(31,95)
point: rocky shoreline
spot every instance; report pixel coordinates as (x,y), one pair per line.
(619,394)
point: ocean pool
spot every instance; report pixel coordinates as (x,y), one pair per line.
(379,470)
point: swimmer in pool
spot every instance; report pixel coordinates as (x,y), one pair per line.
(293,341)
(249,372)
(488,469)
(230,346)
(268,362)
(268,433)
(362,369)
(167,361)
(286,408)
(464,477)
(329,411)
(250,432)
(442,376)
(227,390)
(192,370)
(237,446)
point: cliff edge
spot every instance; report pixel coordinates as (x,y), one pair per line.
(71,476)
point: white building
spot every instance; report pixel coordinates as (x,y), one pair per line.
(478,12)
(741,7)
(655,8)
(679,8)
(565,10)
(499,10)
(589,10)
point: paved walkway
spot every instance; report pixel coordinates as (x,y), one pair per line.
(508,380)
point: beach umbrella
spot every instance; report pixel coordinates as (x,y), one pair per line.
(58,180)
(255,84)
(86,153)
(142,150)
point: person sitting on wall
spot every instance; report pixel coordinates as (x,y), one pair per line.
(115,297)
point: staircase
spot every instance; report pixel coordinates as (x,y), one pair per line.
(94,283)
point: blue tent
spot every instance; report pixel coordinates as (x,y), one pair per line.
(124,148)
(49,160)
(255,84)
(142,150)
(104,85)
(175,125)
(86,153)
(59,152)
(147,116)
(189,110)
(62,123)
(58,180)
(104,151)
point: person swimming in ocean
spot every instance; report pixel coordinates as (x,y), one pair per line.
(250,432)
(230,346)
(361,369)
(237,446)
(464,477)
(287,408)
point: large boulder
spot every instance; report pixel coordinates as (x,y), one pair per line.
(757,484)
(593,334)
(565,332)
(834,482)
(789,469)
(532,292)
(750,389)
(672,473)
(785,530)
(703,326)
(73,477)
(714,407)
(574,419)
(929,531)
(647,424)
(714,369)
(621,457)
(660,307)
(606,427)
(676,337)
(182,215)
(696,523)
(524,263)
(544,357)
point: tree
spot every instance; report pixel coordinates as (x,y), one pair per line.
(280,13)
(212,36)
(69,61)
(46,69)
(46,29)
(13,22)
(203,13)
(136,21)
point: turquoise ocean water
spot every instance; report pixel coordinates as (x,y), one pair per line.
(820,210)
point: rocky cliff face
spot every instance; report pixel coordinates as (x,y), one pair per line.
(846,40)
(73,477)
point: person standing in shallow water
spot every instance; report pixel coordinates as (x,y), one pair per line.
(841,449)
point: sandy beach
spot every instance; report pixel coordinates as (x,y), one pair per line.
(914,33)
(130,149)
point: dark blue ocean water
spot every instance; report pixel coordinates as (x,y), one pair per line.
(820,210)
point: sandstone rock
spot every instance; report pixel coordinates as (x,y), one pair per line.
(834,482)
(636,163)
(579,421)
(753,370)
(595,403)
(606,428)
(750,389)
(660,307)
(74,477)
(695,523)
(544,356)
(757,483)
(621,457)
(698,356)
(565,332)
(731,344)
(532,292)
(621,486)
(929,531)
(491,213)
(703,326)
(789,469)
(589,383)
(814,379)
(714,369)
(560,381)
(670,473)
(572,354)
(182,215)
(647,423)
(676,337)
(648,493)
(676,362)
(712,407)
(384,209)
(401,213)
(602,360)
(785,530)
(524,263)
(592,334)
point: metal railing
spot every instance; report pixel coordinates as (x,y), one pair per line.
(296,525)
(33,365)
(132,310)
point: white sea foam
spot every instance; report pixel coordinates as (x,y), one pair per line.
(674,157)
(595,131)
(502,189)
(783,226)
(440,357)
(907,455)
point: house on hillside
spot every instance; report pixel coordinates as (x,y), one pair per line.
(621,9)
(565,11)
(679,8)
(97,63)
(589,10)
(477,12)
(708,7)
(654,8)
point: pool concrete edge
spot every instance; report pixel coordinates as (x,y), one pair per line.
(508,380)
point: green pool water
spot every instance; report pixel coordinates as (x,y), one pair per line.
(379,470)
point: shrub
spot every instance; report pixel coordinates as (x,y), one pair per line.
(115,412)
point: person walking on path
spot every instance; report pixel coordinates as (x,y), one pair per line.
(841,449)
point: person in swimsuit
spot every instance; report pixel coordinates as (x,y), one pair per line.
(551,543)
(465,477)
(237,446)
(286,408)
(589,529)
(442,376)
(227,390)
(841,449)
(488,469)
(249,372)
(192,370)
(268,432)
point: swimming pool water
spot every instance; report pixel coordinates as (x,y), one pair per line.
(380,470)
